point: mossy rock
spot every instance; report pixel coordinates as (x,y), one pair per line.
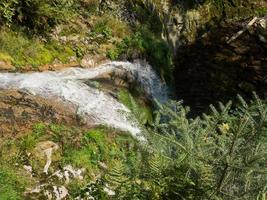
(40,154)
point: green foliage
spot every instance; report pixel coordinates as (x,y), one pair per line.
(236,9)
(96,146)
(108,29)
(145,43)
(116,176)
(113,54)
(11,187)
(7,10)
(21,50)
(96,135)
(219,156)
(39,16)
(155,164)
(141,112)
(30,140)
(42,15)
(13,181)
(79,148)
(89,152)
(158,53)
(102,28)
(87,7)
(223,153)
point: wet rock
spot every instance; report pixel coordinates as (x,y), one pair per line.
(73,38)
(262,39)
(60,192)
(19,110)
(63,39)
(55,66)
(103,165)
(68,173)
(109,191)
(72,59)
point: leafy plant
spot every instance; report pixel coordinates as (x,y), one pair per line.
(7,10)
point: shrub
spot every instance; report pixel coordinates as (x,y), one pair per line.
(7,10)
(39,16)
(220,156)
(145,44)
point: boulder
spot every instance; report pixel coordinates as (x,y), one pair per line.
(46,152)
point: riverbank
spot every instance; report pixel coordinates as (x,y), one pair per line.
(76,124)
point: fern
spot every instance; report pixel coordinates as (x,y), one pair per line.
(156,164)
(116,176)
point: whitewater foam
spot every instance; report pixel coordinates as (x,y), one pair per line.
(68,86)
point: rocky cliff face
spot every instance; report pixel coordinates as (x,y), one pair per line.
(184,21)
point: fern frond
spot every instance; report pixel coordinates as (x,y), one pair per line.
(156,164)
(116,176)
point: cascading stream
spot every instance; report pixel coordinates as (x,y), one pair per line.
(92,104)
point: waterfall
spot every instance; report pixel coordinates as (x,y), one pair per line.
(91,103)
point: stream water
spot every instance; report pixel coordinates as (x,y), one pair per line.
(92,104)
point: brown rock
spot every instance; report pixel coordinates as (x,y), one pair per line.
(19,111)
(90,61)
(57,66)
(6,66)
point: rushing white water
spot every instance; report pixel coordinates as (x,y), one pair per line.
(92,104)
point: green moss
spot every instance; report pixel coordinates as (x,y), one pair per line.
(113,54)
(5,57)
(90,152)
(84,157)
(11,186)
(29,141)
(23,50)
(142,112)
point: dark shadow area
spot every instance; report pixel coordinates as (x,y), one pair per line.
(210,70)
(188,4)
